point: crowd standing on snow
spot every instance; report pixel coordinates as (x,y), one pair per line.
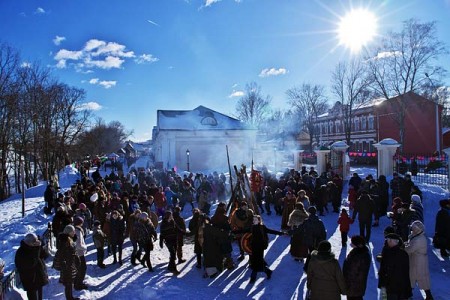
(115,208)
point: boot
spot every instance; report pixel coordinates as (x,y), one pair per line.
(173,268)
(150,268)
(229,263)
(180,261)
(269,273)
(115,259)
(428,295)
(199,263)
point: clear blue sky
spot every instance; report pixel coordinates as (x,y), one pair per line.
(134,57)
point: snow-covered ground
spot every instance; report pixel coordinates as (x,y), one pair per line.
(128,282)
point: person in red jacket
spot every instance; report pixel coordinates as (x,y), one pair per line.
(160,202)
(344,222)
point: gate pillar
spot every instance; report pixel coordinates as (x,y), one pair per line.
(386,150)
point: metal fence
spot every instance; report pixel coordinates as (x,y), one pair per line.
(426,169)
(13,279)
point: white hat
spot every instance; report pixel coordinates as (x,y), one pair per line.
(32,240)
(416,198)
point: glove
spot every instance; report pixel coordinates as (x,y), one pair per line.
(161,244)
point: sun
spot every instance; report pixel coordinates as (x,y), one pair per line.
(356,29)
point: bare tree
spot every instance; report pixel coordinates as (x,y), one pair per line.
(253,108)
(350,84)
(400,64)
(309,101)
(9,64)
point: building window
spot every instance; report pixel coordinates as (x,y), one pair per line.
(325,127)
(356,124)
(363,123)
(371,123)
(331,127)
(338,128)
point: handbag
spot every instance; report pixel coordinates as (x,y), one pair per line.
(57,261)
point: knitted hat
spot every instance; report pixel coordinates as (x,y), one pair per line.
(324,247)
(143,216)
(358,241)
(82,206)
(32,240)
(415,198)
(312,210)
(69,229)
(96,223)
(417,226)
(78,221)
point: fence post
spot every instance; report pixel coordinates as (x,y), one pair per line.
(447,151)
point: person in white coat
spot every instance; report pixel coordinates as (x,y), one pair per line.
(416,247)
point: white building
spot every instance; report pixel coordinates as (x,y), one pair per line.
(197,139)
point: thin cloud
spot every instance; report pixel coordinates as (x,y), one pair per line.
(272,72)
(25,64)
(235,94)
(211,2)
(23,14)
(94,106)
(107,84)
(40,11)
(58,40)
(96,54)
(146,58)
(153,23)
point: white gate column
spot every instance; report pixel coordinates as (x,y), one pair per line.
(386,150)
(321,160)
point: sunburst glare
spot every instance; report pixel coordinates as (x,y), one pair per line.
(356,29)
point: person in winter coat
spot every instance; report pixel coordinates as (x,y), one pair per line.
(145,234)
(168,236)
(49,198)
(416,247)
(181,232)
(365,207)
(81,249)
(442,228)
(259,243)
(31,267)
(393,275)
(352,196)
(160,202)
(132,233)
(99,238)
(355,181)
(69,260)
(85,213)
(344,222)
(220,221)
(315,231)
(383,189)
(395,184)
(117,235)
(356,268)
(241,219)
(298,249)
(416,205)
(324,276)
(406,217)
(196,226)
(297,216)
(288,206)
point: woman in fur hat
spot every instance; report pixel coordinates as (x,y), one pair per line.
(416,247)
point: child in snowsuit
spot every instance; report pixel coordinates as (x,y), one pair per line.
(344,222)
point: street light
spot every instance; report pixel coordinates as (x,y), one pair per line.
(187,159)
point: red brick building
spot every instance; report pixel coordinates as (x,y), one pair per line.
(377,119)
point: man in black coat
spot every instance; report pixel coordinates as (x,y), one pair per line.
(31,267)
(355,181)
(365,207)
(49,197)
(315,231)
(442,227)
(356,268)
(393,274)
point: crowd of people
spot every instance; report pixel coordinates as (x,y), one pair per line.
(115,208)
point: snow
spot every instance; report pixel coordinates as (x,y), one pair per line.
(128,282)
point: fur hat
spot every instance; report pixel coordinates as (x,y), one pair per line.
(393,236)
(415,199)
(69,229)
(143,216)
(32,240)
(324,247)
(78,221)
(358,241)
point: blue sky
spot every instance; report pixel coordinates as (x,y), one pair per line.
(135,57)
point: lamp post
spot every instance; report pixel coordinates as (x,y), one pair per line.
(188,153)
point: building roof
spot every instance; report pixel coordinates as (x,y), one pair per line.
(200,118)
